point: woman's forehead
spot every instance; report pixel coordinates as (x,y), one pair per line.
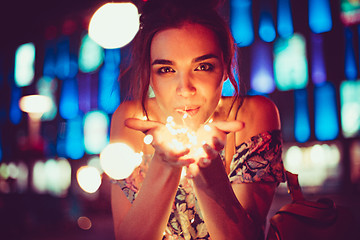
(189,39)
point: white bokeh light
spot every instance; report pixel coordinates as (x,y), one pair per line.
(89,179)
(96,124)
(114,25)
(39,177)
(35,104)
(118,160)
(293,159)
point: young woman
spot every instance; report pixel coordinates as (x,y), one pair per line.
(184,51)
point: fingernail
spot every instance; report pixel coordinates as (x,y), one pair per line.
(206,160)
(207,146)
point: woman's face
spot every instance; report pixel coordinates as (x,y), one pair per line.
(187,72)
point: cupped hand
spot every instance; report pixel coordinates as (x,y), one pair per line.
(161,142)
(213,140)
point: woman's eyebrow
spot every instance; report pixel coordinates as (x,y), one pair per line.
(162,62)
(205,57)
(198,59)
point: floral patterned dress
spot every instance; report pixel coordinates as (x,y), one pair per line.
(256,160)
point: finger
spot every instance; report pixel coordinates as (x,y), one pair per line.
(211,152)
(185,162)
(178,159)
(192,170)
(218,144)
(141,125)
(169,152)
(204,162)
(179,162)
(228,126)
(179,154)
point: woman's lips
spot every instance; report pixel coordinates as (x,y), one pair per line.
(190,111)
(193,111)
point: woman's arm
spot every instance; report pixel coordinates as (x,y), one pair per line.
(225,217)
(146,218)
(237,211)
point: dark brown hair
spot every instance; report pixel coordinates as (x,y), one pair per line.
(158,15)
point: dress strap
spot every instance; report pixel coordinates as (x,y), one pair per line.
(230,148)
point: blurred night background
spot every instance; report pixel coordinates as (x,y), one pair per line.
(304,55)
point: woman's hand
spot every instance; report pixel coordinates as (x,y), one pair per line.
(215,140)
(161,142)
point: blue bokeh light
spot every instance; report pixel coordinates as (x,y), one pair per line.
(284,19)
(320,16)
(350,62)
(241,22)
(49,67)
(318,73)
(262,75)
(326,119)
(66,62)
(69,99)
(109,89)
(302,120)
(74,138)
(266,27)
(15,112)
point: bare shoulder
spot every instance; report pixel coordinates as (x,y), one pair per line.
(118,131)
(259,114)
(127,109)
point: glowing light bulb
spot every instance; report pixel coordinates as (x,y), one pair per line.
(118,160)
(181,138)
(170,119)
(207,128)
(114,25)
(148,139)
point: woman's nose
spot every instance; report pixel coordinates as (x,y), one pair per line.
(185,87)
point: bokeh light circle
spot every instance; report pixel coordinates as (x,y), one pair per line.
(118,160)
(114,25)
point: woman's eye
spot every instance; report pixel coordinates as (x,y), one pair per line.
(165,70)
(205,67)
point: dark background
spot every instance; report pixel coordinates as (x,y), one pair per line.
(28,21)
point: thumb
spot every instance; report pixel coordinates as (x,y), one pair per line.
(229,126)
(141,125)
